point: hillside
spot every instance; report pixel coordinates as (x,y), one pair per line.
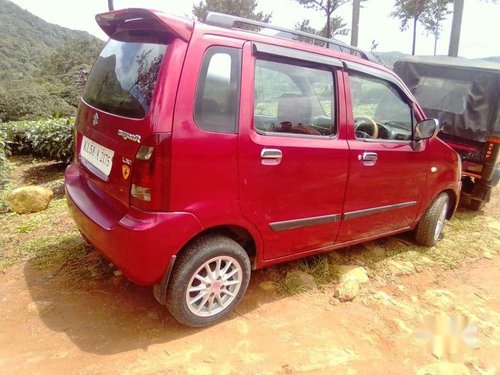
(39,65)
(493,58)
(26,38)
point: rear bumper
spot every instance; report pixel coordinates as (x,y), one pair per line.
(139,243)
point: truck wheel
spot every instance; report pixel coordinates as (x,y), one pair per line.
(476,205)
(430,226)
(208,281)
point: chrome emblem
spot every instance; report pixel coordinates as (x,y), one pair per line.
(95,119)
(128,136)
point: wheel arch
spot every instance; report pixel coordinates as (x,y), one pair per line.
(452,195)
(237,233)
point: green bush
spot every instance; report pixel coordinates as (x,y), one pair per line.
(29,99)
(51,139)
(3,157)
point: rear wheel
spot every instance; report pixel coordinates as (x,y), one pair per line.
(430,226)
(208,281)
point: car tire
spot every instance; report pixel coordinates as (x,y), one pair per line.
(476,205)
(208,281)
(430,226)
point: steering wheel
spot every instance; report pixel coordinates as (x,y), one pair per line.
(364,120)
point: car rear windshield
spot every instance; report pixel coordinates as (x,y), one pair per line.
(123,78)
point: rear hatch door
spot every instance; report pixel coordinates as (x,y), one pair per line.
(115,114)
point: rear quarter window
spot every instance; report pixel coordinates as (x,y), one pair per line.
(218,90)
(124,76)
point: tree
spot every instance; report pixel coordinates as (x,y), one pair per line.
(410,10)
(111,6)
(430,13)
(356,8)
(456,26)
(64,65)
(434,16)
(333,25)
(240,8)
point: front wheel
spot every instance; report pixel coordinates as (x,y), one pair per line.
(208,281)
(430,226)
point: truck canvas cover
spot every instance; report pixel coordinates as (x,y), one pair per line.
(464,95)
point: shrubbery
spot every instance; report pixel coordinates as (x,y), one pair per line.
(3,157)
(51,139)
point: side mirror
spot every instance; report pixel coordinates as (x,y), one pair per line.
(425,129)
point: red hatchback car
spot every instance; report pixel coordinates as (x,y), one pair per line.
(203,151)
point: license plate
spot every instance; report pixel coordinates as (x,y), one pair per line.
(97,155)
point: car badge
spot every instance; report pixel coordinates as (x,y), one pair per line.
(95,119)
(125,171)
(128,136)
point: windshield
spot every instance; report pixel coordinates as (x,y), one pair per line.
(123,78)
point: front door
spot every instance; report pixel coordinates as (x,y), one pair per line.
(386,175)
(292,153)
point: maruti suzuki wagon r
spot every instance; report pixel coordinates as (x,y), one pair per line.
(206,150)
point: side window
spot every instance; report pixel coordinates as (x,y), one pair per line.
(218,90)
(293,99)
(380,112)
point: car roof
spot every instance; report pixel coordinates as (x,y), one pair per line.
(183,28)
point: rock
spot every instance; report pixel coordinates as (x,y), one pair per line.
(381,296)
(400,268)
(347,290)
(268,286)
(353,272)
(301,280)
(487,255)
(117,273)
(28,199)
(350,278)
(333,301)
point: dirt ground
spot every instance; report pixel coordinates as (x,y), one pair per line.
(63,313)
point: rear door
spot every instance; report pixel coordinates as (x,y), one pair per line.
(386,174)
(119,109)
(292,151)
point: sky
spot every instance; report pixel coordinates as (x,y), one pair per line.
(479,35)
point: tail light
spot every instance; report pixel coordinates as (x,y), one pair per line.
(150,188)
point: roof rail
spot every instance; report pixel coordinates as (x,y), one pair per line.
(229,22)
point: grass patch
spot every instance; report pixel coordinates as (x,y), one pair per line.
(289,287)
(466,238)
(324,269)
(68,254)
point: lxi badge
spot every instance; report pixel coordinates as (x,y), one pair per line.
(125,171)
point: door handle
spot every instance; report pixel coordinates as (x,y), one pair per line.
(270,156)
(369,158)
